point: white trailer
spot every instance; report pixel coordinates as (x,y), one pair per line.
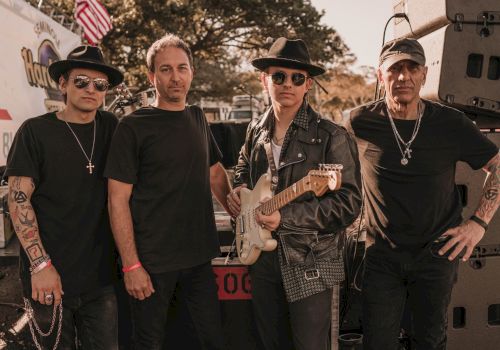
(30,42)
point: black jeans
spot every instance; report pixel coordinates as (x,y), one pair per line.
(306,322)
(198,290)
(425,283)
(89,321)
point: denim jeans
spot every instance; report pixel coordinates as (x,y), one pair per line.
(424,283)
(198,291)
(301,325)
(89,321)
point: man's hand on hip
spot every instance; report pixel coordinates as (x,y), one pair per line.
(467,236)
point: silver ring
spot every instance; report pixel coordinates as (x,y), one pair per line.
(49,298)
(263,225)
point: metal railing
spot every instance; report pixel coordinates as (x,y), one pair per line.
(66,21)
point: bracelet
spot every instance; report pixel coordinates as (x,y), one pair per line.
(479,221)
(131,267)
(41,267)
(40,261)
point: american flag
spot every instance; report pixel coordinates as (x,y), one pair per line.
(94,19)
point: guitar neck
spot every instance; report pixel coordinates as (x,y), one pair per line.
(286,196)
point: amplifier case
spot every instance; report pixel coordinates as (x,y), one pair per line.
(428,15)
(464,69)
(476,291)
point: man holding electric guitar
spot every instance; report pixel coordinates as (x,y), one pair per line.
(300,156)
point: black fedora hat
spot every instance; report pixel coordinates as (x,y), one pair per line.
(85,56)
(288,53)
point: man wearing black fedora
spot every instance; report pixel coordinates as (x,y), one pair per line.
(292,286)
(57,197)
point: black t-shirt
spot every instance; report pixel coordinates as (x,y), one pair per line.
(413,204)
(69,203)
(167,155)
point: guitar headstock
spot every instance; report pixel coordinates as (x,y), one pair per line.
(327,177)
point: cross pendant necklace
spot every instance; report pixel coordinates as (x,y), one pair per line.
(405,147)
(90,166)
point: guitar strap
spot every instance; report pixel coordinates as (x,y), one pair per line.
(272,166)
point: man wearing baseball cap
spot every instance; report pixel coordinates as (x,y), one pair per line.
(408,150)
(292,286)
(57,200)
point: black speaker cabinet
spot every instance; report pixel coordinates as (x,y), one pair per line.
(471,183)
(428,15)
(474,312)
(463,68)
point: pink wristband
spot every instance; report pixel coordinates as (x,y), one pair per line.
(131,267)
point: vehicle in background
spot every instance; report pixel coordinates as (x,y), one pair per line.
(246,107)
(31,41)
(215,110)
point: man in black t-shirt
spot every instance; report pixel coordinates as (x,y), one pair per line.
(163,164)
(294,285)
(57,201)
(408,150)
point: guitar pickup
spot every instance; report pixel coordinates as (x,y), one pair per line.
(242,224)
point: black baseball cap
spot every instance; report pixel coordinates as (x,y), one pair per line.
(401,49)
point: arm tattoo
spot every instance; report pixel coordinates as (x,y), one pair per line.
(24,218)
(16,184)
(34,252)
(30,234)
(490,199)
(20,197)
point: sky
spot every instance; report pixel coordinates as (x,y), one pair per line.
(360,24)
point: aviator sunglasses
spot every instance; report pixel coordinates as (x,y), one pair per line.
(279,78)
(82,81)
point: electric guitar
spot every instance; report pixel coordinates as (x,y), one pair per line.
(251,238)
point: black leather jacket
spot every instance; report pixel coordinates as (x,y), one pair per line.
(321,142)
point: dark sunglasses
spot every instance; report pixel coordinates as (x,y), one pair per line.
(82,81)
(279,78)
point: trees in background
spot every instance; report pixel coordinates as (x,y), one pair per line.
(346,90)
(223,35)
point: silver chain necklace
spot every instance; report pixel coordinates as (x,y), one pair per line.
(90,166)
(406,153)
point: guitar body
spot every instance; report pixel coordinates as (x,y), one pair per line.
(251,238)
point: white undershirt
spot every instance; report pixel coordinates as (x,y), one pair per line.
(276,152)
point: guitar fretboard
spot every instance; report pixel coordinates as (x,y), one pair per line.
(286,196)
